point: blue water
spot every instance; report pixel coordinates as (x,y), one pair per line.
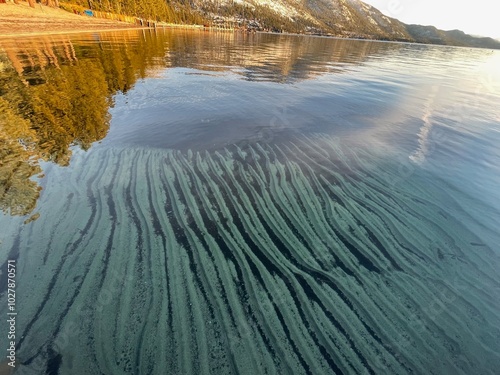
(180,202)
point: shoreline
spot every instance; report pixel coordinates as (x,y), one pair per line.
(21,20)
(64,32)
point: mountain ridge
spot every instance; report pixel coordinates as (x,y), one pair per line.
(340,18)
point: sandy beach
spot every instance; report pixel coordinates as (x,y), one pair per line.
(21,19)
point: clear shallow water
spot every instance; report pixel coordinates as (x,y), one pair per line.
(219,203)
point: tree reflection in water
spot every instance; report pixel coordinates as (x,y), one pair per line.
(55,92)
(54,95)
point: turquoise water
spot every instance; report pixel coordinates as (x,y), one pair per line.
(195,203)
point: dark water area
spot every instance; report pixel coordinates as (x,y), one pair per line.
(181,202)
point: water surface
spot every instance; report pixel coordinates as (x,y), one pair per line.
(181,202)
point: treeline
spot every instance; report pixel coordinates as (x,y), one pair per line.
(156,10)
(196,12)
(45,110)
(266,17)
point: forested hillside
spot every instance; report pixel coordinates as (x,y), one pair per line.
(157,10)
(340,18)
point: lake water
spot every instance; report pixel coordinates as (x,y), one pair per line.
(181,202)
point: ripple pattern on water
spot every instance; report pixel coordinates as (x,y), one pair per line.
(255,259)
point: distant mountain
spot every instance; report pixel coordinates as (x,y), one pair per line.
(429,34)
(343,18)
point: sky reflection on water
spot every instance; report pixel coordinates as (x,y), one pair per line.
(250,204)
